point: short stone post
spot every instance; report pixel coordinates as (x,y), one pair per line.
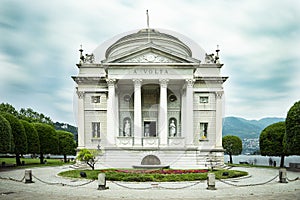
(211,181)
(28,176)
(101,181)
(282,175)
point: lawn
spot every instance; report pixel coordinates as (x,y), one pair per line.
(165,175)
(31,162)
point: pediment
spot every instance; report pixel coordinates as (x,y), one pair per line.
(151,53)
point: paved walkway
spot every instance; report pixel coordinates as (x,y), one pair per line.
(38,190)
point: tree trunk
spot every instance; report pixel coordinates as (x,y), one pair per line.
(282,161)
(230,158)
(41,158)
(65,158)
(18,160)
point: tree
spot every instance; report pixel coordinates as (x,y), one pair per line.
(32,137)
(88,156)
(5,136)
(232,145)
(48,140)
(19,135)
(31,116)
(292,137)
(271,141)
(7,108)
(67,143)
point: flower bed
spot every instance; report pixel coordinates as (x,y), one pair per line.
(163,175)
(163,171)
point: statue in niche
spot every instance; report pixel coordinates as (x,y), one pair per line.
(127,128)
(172,127)
(147,130)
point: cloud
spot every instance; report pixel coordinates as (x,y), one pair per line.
(259,43)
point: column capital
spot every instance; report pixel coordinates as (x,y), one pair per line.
(219,94)
(137,82)
(189,82)
(163,82)
(110,82)
(80,94)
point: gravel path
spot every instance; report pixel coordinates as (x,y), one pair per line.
(119,190)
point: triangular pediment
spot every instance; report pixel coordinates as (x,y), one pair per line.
(151,53)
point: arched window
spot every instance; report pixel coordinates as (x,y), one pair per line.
(150,160)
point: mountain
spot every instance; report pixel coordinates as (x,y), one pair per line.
(68,128)
(244,128)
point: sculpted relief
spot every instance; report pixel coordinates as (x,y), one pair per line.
(150,57)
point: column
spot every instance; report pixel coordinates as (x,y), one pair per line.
(219,115)
(111,113)
(137,112)
(80,119)
(163,113)
(189,104)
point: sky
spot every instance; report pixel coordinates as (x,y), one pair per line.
(259,43)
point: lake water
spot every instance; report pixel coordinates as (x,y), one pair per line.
(262,160)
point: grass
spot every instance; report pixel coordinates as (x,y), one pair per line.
(32,162)
(118,175)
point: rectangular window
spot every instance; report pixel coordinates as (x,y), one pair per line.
(203,99)
(96,129)
(95,99)
(203,130)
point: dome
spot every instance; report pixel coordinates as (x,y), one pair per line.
(169,40)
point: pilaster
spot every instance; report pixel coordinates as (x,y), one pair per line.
(80,119)
(219,115)
(189,124)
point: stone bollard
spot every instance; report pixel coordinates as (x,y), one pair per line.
(28,176)
(101,181)
(211,181)
(282,175)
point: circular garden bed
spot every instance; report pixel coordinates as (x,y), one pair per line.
(160,175)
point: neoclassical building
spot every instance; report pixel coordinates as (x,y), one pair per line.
(150,102)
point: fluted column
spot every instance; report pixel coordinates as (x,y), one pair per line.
(219,115)
(163,113)
(80,120)
(137,112)
(189,123)
(111,113)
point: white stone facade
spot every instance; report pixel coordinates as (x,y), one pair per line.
(150,97)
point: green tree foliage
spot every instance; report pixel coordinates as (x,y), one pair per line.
(88,156)
(271,141)
(19,135)
(67,143)
(48,139)
(232,145)
(7,108)
(32,116)
(5,136)
(32,137)
(292,137)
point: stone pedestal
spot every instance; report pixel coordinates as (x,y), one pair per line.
(282,175)
(101,181)
(28,176)
(211,181)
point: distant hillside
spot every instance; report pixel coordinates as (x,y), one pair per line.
(244,128)
(67,127)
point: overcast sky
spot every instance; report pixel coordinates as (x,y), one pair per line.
(259,42)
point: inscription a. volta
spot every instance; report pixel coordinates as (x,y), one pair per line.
(151,71)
